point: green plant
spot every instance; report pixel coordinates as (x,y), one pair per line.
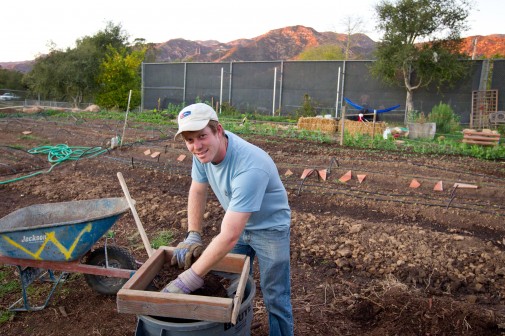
(6,285)
(415,116)
(307,109)
(445,118)
(164,238)
(6,316)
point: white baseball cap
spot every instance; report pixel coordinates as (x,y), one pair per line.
(195,117)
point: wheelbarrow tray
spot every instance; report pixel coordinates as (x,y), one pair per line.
(58,231)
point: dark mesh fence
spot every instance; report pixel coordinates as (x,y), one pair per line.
(203,82)
(162,84)
(315,79)
(253,86)
(361,88)
(498,82)
(249,87)
(458,95)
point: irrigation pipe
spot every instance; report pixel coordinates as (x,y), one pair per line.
(329,190)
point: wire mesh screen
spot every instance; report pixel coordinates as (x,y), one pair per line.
(203,82)
(315,80)
(458,95)
(281,87)
(253,86)
(364,90)
(162,83)
(498,82)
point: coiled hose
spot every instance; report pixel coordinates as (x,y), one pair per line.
(58,154)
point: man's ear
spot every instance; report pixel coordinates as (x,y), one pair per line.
(220,129)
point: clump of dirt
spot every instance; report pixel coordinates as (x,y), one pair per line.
(385,305)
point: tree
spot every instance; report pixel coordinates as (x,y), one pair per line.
(44,79)
(326,52)
(120,73)
(71,75)
(421,43)
(353,26)
(11,79)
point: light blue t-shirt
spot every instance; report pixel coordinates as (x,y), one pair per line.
(247,180)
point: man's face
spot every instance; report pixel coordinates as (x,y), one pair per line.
(205,145)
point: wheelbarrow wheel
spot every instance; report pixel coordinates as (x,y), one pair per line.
(118,257)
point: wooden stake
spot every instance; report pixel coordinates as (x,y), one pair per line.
(131,202)
(465,186)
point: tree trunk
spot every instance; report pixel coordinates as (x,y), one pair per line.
(409,103)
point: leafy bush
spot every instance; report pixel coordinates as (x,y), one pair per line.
(445,118)
(307,109)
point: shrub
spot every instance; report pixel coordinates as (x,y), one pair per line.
(307,109)
(445,118)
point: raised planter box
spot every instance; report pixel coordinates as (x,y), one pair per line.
(133,298)
(422,130)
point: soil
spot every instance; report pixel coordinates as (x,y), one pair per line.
(375,257)
(214,285)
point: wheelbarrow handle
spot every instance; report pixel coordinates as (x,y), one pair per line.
(140,227)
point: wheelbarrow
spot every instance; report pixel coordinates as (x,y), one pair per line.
(40,239)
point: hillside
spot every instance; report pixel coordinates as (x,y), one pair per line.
(278,44)
(485,46)
(281,44)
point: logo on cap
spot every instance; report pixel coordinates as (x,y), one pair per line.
(184,114)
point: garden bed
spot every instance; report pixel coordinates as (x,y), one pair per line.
(374,257)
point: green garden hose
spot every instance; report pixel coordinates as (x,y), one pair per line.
(58,154)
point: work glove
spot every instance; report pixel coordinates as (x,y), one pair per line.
(187,282)
(188,250)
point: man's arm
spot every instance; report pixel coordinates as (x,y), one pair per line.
(197,200)
(231,228)
(192,245)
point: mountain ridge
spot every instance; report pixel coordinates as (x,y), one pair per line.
(280,44)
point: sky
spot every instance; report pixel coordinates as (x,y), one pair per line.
(29,27)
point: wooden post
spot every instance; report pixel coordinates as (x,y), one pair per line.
(342,126)
(374,120)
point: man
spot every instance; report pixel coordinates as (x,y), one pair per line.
(257,219)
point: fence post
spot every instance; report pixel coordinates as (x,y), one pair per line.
(342,126)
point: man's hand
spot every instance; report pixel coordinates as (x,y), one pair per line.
(187,282)
(188,250)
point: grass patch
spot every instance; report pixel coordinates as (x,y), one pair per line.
(163,238)
(7,286)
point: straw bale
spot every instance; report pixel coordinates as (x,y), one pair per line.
(325,125)
(361,127)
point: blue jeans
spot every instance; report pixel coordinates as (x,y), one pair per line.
(272,249)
